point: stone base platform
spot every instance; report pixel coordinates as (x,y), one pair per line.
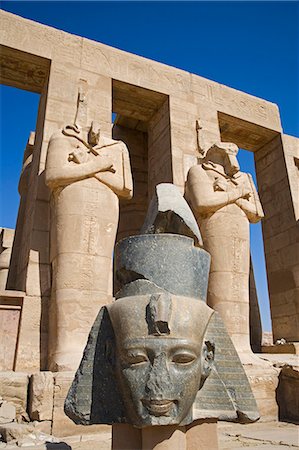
(231,436)
(289,347)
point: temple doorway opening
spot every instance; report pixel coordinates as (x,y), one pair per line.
(142,121)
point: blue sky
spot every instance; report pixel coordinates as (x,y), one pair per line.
(250,46)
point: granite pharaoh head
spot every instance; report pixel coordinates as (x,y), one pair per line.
(150,355)
(161,358)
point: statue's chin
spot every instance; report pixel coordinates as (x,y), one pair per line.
(158,412)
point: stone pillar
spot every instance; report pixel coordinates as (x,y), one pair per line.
(6,242)
(254,315)
(17,252)
(159,149)
(86,172)
(278,176)
(225,201)
(132,213)
(200,435)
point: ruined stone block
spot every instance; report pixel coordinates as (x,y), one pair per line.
(15,431)
(41,396)
(288,394)
(13,388)
(7,412)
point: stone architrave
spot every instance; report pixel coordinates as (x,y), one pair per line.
(225,201)
(86,174)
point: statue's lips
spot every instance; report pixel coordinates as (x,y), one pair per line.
(158,407)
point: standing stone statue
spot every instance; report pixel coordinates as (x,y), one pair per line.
(158,355)
(86,174)
(224,201)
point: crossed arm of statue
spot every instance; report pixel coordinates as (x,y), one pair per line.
(208,196)
(70,158)
(251,205)
(60,171)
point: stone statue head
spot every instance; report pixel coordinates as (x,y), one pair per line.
(149,359)
(224,154)
(161,359)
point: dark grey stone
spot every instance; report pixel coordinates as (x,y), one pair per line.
(167,260)
(169,212)
(138,287)
(97,391)
(226,394)
(94,396)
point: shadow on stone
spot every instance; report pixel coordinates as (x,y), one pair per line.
(57,446)
(287,396)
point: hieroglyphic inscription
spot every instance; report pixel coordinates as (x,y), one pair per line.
(236,103)
(23,71)
(237,396)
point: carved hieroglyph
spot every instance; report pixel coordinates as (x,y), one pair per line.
(225,201)
(86,174)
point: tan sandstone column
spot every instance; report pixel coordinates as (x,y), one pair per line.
(225,201)
(85,181)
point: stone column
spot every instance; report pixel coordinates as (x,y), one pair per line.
(225,201)
(6,242)
(85,178)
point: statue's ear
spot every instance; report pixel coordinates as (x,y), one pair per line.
(208,354)
(94,397)
(94,133)
(226,394)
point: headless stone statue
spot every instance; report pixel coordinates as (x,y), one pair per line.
(224,201)
(86,174)
(158,355)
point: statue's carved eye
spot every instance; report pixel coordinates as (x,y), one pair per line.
(137,358)
(183,358)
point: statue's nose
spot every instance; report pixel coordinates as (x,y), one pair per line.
(158,382)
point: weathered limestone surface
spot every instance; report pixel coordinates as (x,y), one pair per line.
(291,152)
(85,173)
(277,177)
(263,380)
(284,348)
(6,242)
(225,200)
(28,349)
(7,411)
(41,395)
(13,389)
(132,213)
(10,313)
(287,394)
(255,322)
(158,108)
(13,432)
(18,255)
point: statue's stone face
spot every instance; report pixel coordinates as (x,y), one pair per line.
(160,356)
(160,377)
(225,158)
